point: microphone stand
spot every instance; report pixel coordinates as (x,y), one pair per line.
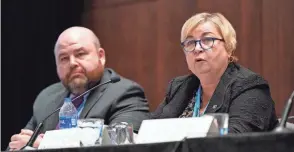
(282,125)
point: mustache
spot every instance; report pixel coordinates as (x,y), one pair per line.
(75,70)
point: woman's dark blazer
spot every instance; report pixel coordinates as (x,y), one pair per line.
(241,93)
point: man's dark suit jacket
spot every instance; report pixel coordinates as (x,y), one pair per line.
(123,101)
(244,95)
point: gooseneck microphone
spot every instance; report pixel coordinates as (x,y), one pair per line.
(113,79)
(282,125)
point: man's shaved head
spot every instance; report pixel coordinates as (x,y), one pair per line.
(79,58)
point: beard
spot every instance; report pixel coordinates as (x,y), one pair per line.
(78,85)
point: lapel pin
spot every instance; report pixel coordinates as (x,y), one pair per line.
(214,106)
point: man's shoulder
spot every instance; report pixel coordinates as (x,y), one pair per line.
(52,89)
(49,92)
(124,82)
(124,92)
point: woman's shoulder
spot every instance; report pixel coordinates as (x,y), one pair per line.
(183,79)
(185,82)
(243,74)
(243,79)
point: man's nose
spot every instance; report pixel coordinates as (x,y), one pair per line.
(73,61)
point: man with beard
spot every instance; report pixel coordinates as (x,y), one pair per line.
(80,65)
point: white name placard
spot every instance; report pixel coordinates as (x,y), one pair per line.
(176,129)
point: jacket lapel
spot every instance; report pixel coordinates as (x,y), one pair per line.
(218,97)
(180,96)
(95,94)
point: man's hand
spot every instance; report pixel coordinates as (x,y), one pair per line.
(21,139)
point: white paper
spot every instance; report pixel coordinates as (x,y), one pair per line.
(63,138)
(175,129)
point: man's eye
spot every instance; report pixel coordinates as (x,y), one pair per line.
(63,58)
(81,54)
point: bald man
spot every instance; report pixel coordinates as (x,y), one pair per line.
(80,65)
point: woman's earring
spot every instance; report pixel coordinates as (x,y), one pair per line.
(231,59)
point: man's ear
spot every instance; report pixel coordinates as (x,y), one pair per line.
(101,55)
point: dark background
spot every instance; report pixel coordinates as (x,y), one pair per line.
(142,42)
(29,31)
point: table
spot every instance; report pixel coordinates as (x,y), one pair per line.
(249,142)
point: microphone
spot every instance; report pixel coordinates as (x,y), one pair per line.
(282,125)
(113,79)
